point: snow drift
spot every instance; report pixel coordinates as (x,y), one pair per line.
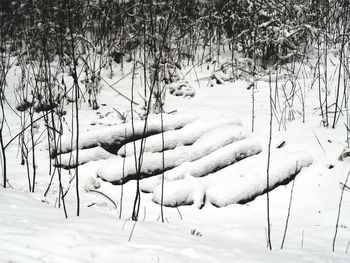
(237,183)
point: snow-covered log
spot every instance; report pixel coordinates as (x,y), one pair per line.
(242,186)
(112,170)
(111,138)
(237,183)
(172,139)
(210,163)
(67,160)
(188,191)
(147,185)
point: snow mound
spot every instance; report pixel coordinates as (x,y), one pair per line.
(184,136)
(67,160)
(212,162)
(118,170)
(238,183)
(147,185)
(188,191)
(111,138)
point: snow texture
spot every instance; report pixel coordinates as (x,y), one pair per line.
(235,183)
(115,136)
(185,136)
(67,160)
(188,191)
(273,77)
(210,163)
(240,186)
(181,88)
(118,170)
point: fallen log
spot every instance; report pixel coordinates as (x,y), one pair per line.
(152,163)
(113,137)
(210,163)
(187,135)
(239,183)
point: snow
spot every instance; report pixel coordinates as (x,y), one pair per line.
(181,88)
(115,136)
(188,191)
(273,77)
(120,169)
(67,160)
(184,136)
(233,184)
(33,228)
(212,162)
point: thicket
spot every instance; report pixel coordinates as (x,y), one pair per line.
(270,29)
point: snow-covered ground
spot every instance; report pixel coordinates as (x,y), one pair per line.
(33,229)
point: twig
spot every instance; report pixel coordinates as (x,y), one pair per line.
(268,171)
(121,94)
(178,210)
(288,215)
(144,213)
(126,220)
(345,186)
(339,209)
(110,199)
(302,239)
(132,230)
(319,141)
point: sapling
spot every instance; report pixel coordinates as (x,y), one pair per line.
(288,213)
(326,62)
(4,68)
(73,43)
(268,170)
(339,211)
(342,47)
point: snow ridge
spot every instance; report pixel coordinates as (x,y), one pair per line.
(210,163)
(233,184)
(112,170)
(114,136)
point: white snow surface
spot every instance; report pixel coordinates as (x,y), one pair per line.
(68,160)
(184,136)
(118,168)
(33,231)
(188,191)
(122,133)
(232,184)
(212,162)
